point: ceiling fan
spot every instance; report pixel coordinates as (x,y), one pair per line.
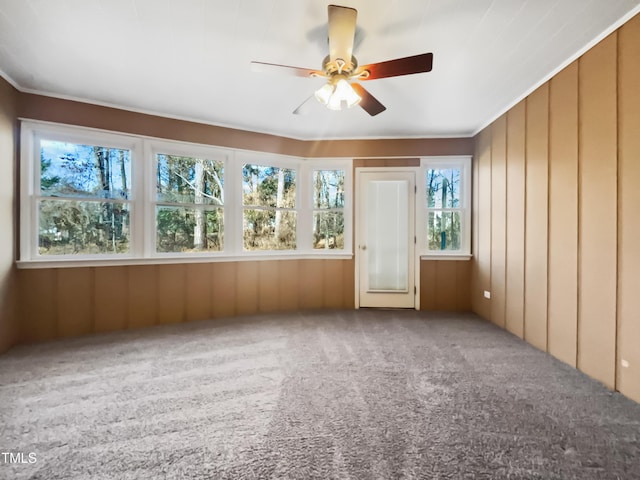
(341,69)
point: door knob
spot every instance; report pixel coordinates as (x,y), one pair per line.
(363,247)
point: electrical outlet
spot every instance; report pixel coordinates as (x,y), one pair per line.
(624,363)
(487,294)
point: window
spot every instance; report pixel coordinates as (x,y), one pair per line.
(328,209)
(105,198)
(446,205)
(83,205)
(269,208)
(189,204)
(77,195)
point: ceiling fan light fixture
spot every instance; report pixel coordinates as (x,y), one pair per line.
(325,93)
(346,93)
(340,68)
(338,95)
(334,103)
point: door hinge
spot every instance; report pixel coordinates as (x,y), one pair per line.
(415,240)
(415,189)
(415,290)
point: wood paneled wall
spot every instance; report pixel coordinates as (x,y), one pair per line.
(38,107)
(481,248)
(72,301)
(69,299)
(572,268)
(79,301)
(515,203)
(8,149)
(445,285)
(628,307)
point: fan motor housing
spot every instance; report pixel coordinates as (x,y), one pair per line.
(339,66)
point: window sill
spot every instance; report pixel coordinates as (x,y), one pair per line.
(163,260)
(457,257)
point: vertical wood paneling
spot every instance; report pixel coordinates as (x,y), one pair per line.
(483,258)
(428,284)
(628,377)
(332,283)
(10,321)
(111,291)
(475,287)
(223,289)
(198,291)
(572,176)
(563,215)
(74,297)
(463,286)
(445,285)
(348,273)
(247,288)
(288,285)
(268,281)
(498,220)
(537,174)
(38,304)
(598,205)
(172,290)
(143,291)
(311,284)
(515,211)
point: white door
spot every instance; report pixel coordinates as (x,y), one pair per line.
(385,239)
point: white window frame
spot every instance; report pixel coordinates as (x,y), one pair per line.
(31,134)
(143,198)
(266,160)
(447,162)
(329,164)
(156,147)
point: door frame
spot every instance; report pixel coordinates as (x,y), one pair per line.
(357,234)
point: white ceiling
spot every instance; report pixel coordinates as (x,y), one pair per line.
(190,58)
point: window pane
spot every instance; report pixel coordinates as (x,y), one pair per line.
(73,170)
(269,230)
(69,227)
(443,188)
(444,231)
(189,180)
(268,186)
(328,230)
(181,229)
(328,186)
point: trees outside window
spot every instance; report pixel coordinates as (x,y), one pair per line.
(91,197)
(447,194)
(83,204)
(269,208)
(328,209)
(443,201)
(190,204)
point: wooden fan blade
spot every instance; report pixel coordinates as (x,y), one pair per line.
(369,103)
(305,107)
(342,29)
(285,70)
(401,66)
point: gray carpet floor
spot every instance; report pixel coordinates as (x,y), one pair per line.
(367,394)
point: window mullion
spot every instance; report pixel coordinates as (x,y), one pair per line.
(233,212)
(144,207)
(304,222)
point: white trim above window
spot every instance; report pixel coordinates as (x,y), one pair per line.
(103,191)
(444,206)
